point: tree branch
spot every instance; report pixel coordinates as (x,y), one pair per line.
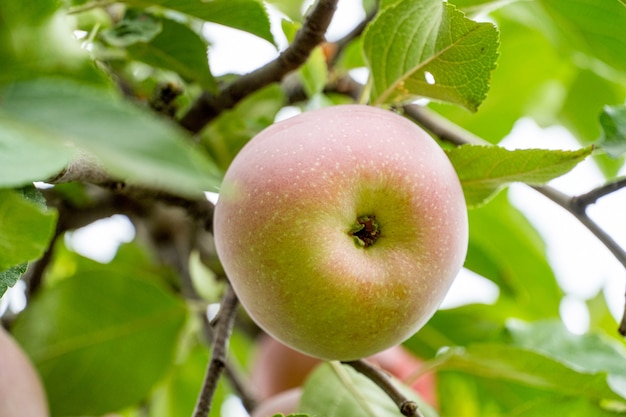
(209,106)
(594,195)
(85,169)
(407,407)
(225,321)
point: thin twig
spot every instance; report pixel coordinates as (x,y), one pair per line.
(442,127)
(567,203)
(407,407)
(86,170)
(209,106)
(235,380)
(594,195)
(217,363)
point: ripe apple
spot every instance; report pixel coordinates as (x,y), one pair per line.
(341,230)
(21,391)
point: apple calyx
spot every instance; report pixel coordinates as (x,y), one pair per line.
(365,231)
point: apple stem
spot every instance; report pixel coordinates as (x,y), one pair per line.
(365,231)
(406,406)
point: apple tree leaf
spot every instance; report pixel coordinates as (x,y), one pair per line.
(337,390)
(587,353)
(428,48)
(314,72)
(499,362)
(591,27)
(526,281)
(25,230)
(478,6)
(131,144)
(484,170)
(101,339)
(177,48)
(247,15)
(136,26)
(468,395)
(26,158)
(613,123)
(232,129)
(519,38)
(163,43)
(36,39)
(9,277)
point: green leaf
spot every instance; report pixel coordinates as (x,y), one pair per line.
(593,27)
(247,15)
(587,96)
(134,27)
(336,390)
(177,48)
(100,340)
(177,394)
(590,353)
(36,39)
(528,368)
(227,134)
(613,122)
(484,170)
(468,395)
(429,48)
(534,88)
(130,143)
(600,317)
(479,6)
(25,229)
(506,249)
(314,73)
(9,277)
(566,406)
(291,8)
(25,157)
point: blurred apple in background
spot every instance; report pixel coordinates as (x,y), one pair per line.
(284,403)
(21,391)
(277,368)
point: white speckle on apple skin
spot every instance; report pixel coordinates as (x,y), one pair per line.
(284,239)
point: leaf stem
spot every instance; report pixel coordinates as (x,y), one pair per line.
(407,407)
(209,106)
(223,329)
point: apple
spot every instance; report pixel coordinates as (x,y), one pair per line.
(341,230)
(21,391)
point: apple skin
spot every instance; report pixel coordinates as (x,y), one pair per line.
(283,225)
(21,391)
